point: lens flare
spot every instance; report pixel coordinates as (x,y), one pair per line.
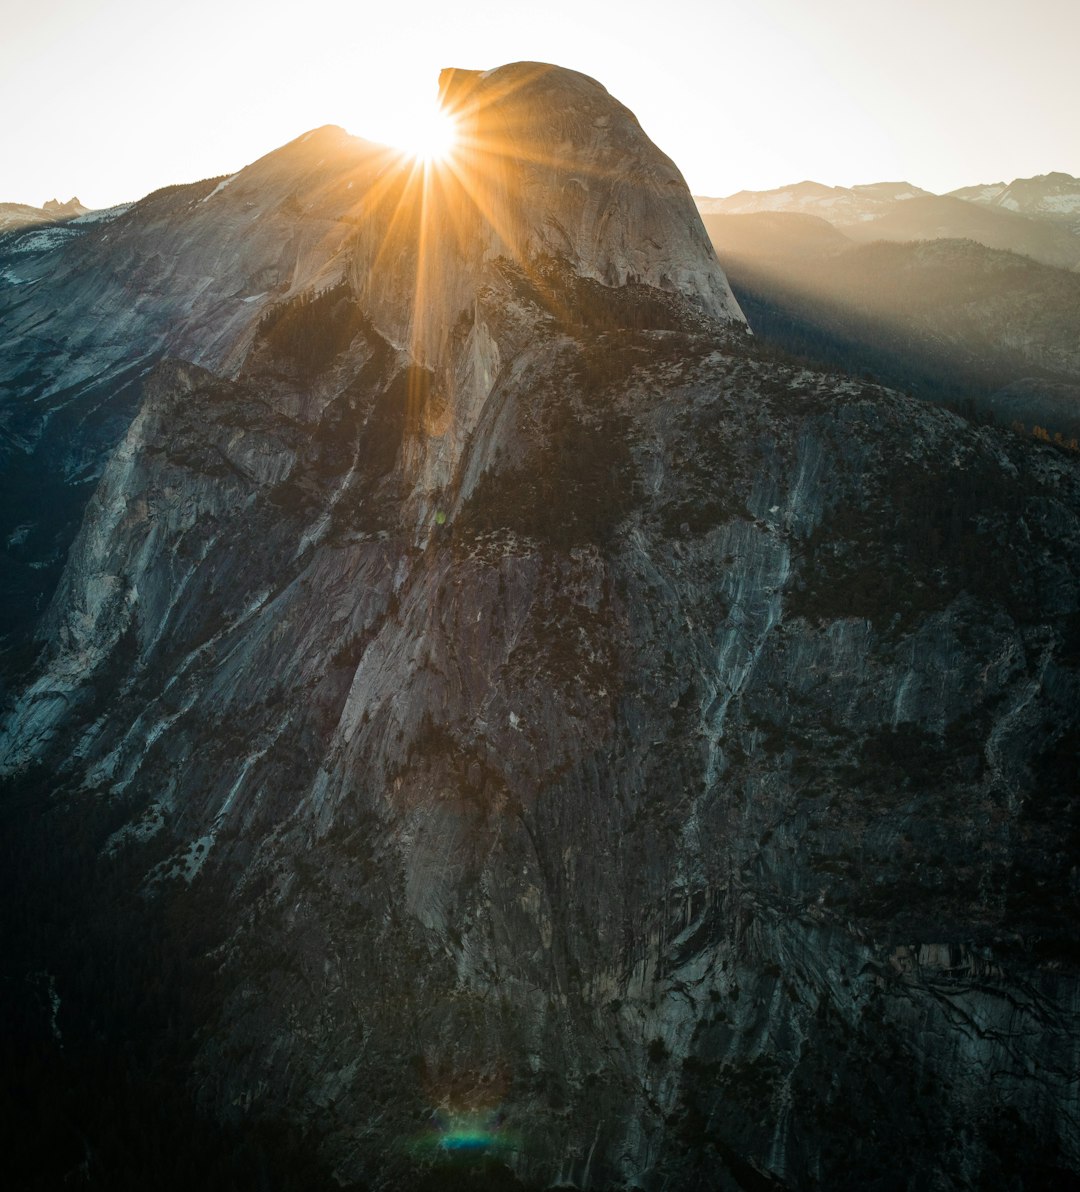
(458,1138)
(428,136)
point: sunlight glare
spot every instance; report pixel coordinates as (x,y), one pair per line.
(429,136)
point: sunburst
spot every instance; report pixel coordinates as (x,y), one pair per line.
(427,136)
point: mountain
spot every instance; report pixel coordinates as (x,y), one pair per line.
(938,217)
(89,307)
(899,211)
(21,215)
(949,320)
(499,725)
(1053,196)
(776,234)
(841,205)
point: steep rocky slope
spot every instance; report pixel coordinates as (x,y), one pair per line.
(547,728)
(88,307)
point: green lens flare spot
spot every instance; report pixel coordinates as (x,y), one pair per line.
(462,1138)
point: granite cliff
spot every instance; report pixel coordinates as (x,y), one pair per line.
(533,722)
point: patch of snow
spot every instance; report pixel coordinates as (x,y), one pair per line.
(43,240)
(105,215)
(222,184)
(1062,204)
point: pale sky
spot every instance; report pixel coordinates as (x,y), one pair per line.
(109,99)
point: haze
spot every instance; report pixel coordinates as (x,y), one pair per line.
(111,100)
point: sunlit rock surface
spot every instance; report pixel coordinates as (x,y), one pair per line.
(575,736)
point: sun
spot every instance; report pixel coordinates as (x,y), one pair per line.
(428,136)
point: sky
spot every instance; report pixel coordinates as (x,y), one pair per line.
(110,99)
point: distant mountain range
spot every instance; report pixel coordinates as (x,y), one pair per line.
(947,319)
(839,204)
(22,215)
(1038,217)
(971,298)
(1047,196)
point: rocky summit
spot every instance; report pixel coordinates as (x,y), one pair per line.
(491,723)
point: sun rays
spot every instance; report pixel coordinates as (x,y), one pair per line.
(449,192)
(429,137)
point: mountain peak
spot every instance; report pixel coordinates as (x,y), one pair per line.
(71,207)
(549,164)
(1052,196)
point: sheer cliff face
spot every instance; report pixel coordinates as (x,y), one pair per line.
(577,723)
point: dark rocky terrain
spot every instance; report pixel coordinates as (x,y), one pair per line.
(499,724)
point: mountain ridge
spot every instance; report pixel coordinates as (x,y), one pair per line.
(1032,225)
(950,320)
(14,216)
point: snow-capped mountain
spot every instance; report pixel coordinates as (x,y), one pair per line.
(1046,196)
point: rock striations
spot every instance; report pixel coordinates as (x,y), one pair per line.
(530,713)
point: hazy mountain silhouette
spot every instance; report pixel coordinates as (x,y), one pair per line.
(950,320)
(898,211)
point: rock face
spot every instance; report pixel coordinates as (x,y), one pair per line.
(90,306)
(566,720)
